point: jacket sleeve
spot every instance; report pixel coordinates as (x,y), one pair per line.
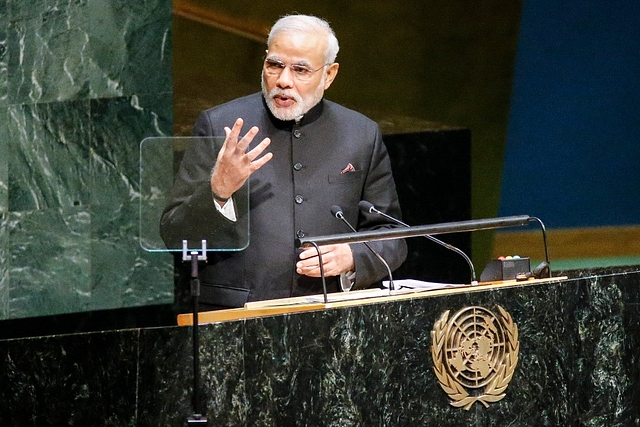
(380,190)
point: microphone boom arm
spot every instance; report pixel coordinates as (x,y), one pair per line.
(372,209)
(419,230)
(337,212)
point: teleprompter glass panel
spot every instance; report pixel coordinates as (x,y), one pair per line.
(176,202)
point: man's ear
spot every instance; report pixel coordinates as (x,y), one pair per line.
(330,74)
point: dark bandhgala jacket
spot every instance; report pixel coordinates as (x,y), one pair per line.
(333,156)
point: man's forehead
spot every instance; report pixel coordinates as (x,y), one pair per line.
(298,46)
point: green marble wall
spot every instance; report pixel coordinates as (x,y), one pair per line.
(82,82)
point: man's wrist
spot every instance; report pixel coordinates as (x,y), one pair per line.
(216,194)
(219,198)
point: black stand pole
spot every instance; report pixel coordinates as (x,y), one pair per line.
(197,419)
(324,282)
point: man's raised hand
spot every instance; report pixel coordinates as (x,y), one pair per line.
(235,164)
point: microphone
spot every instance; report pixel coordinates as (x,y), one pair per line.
(370,208)
(337,212)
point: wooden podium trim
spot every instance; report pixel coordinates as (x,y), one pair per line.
(355,298)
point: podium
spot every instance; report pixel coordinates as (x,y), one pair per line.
(357,364)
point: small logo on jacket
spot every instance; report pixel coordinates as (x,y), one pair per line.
(348,168)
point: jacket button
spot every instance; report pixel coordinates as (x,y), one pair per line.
(297,166)
(297,133)
(299,199)
(300,234)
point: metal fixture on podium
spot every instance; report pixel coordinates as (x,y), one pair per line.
(424,230)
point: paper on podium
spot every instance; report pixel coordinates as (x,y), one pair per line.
(331,297)
(419,284)
(407,286)
(374,293)
(348,296)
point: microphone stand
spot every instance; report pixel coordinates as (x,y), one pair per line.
(324,282)
(337,212)
(197,419)
(544,239)
(474,281)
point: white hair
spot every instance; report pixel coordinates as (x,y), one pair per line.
(307,24)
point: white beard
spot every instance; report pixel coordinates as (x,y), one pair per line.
(300,106)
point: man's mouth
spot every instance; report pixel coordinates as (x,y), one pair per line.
(283,101)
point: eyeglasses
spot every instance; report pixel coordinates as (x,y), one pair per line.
(273,67)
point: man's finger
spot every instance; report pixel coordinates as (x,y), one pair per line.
(257,164)
(233,133)
(243,144)
(312,252)
(258,149)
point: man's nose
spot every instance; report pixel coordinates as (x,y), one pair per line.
(285,79)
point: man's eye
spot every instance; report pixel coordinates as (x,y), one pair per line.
(275,65)
(300,69)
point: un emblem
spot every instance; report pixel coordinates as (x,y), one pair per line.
(474,355)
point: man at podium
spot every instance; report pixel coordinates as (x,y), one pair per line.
(300,155)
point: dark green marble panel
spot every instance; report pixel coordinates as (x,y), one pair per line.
(48,228)
(74,202)
(4,22)
(48,269)
(4,195)
(223,374)
(4,161)
(352,367)
(145,27)
(166,371)
(166,376)
(122,273)
(119,125)
(366,366)
(88,49)
(358,366)
(4,267)
(49,153)
(47,52)
(82,380)
(81,83)
(631,356)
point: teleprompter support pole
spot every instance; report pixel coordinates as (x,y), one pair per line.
(196,419)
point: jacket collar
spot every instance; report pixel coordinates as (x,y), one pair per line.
(311,116)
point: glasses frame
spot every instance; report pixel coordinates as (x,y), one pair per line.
(275,67)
